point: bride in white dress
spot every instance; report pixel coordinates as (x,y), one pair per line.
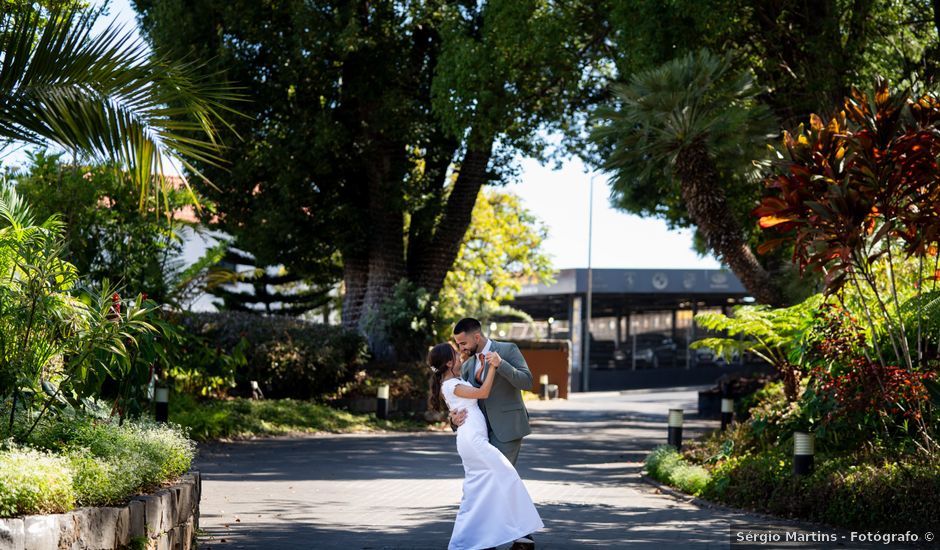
(495,508)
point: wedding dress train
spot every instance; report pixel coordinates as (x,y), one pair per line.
(495,508)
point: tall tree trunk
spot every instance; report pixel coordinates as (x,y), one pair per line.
(372,270)
(708,208)
(386,246)
(430,268)
(355,280)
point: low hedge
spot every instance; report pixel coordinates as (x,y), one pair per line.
(288,357)
(669,466)
(245,418)
(34,482)
(89,462)
(750,466)
(849,491)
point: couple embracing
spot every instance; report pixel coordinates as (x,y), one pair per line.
(483,395)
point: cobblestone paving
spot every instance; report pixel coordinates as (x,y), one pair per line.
(582,466)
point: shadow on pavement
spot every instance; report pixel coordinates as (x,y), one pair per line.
(578,462)
(566,527)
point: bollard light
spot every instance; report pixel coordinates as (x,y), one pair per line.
(162,400)
(675,428)
(803,450)
(381,410)
(727,412)
(543,382)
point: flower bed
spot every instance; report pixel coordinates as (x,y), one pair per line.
(167,518)
(89,462)
(750,466)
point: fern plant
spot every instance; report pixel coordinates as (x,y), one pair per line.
(772,334)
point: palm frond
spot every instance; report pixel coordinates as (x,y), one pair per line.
(106,95)
(700,96)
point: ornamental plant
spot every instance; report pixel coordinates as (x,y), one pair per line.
(858,197)
(60,340)
(854,399)
(771,334)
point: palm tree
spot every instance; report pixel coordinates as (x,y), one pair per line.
(689,123)
(104,95)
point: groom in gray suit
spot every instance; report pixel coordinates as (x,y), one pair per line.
(506,417)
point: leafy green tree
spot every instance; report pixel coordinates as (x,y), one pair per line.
(106,234)
(104,94)
(374,125)
(500,253)
(808,56)
(804,58)
(689,129)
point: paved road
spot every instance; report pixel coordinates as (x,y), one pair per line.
(582,466)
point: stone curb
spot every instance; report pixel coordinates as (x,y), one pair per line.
(165,520)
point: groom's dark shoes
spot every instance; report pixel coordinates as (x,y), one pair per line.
(524,543)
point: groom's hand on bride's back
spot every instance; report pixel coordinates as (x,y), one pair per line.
(457,418)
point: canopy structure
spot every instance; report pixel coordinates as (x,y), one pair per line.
(622,296)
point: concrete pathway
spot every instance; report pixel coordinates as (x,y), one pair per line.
(582,466)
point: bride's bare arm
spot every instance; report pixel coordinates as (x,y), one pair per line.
(482,392)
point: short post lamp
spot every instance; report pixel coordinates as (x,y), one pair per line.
(256,392)
(803,450)
(543,382)
(161,399)
(727,412)
(675,428)
(381,409)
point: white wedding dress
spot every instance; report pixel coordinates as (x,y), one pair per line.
(495,508)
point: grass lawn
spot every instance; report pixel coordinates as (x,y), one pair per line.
(244,418)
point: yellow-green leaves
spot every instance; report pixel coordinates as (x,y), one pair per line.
(500,253)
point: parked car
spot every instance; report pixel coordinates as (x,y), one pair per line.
(652,351)
(704,356)
(698,357)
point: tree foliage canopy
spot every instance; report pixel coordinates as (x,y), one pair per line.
(804,60)
(375,124)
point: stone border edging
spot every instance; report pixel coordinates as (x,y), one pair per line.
(164,520)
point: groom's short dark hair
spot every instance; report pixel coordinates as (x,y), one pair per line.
(468,325)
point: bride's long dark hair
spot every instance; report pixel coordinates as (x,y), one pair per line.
(438,358)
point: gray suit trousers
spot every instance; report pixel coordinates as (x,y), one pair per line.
(510,449)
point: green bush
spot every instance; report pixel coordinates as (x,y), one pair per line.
(667,465)
(196,366)
(890,495)
(749,480)
(879,486)
(34,482)
(852,491)
(286,356)
(108,462)
(139,455)
(406,382)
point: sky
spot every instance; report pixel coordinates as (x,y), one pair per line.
(559,198)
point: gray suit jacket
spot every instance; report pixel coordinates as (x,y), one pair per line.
(504,409)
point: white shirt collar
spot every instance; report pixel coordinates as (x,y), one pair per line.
(486,348)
